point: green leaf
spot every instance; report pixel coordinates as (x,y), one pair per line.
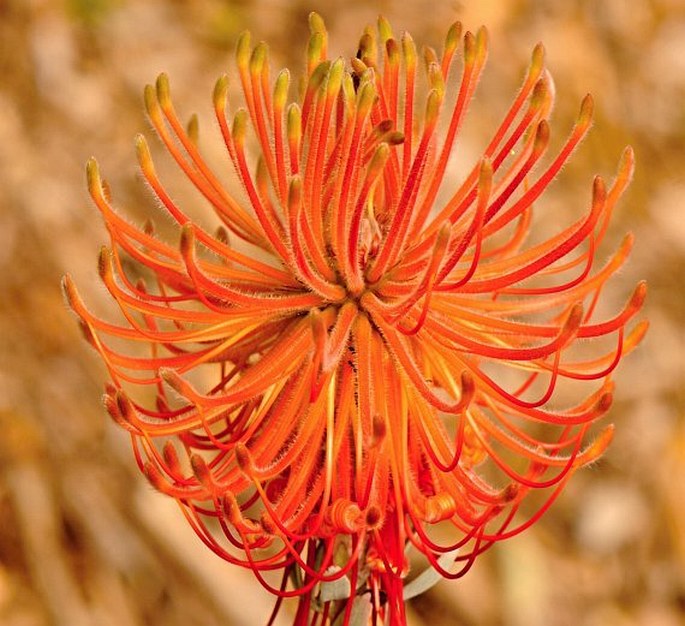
(338,589)
(430,576)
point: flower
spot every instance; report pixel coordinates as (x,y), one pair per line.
(366,356)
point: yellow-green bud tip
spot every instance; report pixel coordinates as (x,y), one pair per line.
(242,53)
(316,23)
(220,96)
(163,90)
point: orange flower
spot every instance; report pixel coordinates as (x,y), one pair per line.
(366,356)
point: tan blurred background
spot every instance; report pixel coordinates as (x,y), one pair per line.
(84,540)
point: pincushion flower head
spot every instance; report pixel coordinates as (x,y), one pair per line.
(368,359)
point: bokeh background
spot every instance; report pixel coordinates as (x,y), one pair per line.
(84,541)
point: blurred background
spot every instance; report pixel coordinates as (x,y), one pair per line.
(84,540)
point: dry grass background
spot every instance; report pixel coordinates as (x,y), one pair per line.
(84,540)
